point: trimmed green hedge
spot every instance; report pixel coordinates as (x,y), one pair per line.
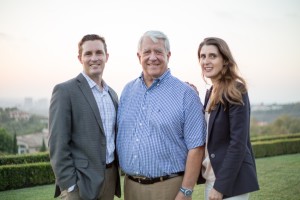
(24,158)
(25,175)
(274,137)
(276,147)
(34,169)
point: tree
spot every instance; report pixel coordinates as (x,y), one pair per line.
(43,147)
(15,144)
(287,124)
(284,124)
(6,141)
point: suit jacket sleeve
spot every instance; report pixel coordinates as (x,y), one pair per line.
(60,136)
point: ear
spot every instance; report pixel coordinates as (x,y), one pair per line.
(107,56)
(139,56)
(168,55)
(79,58)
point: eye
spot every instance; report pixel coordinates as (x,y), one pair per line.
(146,52)
(158,52)
(99,52)
(88,53)
(202,56)
(212,56)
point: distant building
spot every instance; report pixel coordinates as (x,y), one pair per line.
(263,107)
(41,107)
(32,143)
(28,103)
(18,115)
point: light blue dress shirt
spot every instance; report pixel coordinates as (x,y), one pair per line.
(157,126)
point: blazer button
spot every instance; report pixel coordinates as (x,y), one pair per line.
(212,155)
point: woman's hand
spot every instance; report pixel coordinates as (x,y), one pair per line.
(215,195)
(194,87)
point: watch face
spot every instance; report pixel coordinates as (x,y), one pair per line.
(188,192)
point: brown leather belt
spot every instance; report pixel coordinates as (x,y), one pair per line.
(146,180)
(109,165)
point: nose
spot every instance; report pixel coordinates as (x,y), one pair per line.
(205,60)
(152,56)
(94,57)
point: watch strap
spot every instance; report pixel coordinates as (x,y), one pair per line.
(187,192)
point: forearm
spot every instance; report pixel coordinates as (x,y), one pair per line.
(193,166)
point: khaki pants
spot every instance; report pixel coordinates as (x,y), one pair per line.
(107,192)
(166,190)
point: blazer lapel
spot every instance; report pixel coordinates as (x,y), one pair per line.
(88,94)
(115,101)
(212,118)
(113,98)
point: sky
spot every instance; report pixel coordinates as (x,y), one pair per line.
(38,42)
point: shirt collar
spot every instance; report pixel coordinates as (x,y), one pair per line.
(92,83)
(159,79)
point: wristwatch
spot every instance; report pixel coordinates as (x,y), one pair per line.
(186,192)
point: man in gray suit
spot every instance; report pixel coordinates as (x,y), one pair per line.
(82,127)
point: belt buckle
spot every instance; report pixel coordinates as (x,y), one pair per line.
(139,178)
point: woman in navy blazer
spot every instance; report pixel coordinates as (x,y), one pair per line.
(228,168)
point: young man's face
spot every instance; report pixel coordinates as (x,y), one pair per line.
(93,58)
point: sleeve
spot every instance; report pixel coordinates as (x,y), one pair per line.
(60,125)
(194,125)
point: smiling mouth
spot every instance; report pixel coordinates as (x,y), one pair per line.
(208,69)
(153,65)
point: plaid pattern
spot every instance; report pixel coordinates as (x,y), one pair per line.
(158,125)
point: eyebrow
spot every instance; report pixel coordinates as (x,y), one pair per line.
(209,54)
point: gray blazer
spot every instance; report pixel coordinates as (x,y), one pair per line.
(77,141)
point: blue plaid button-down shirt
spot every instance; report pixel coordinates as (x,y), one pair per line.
(158,125)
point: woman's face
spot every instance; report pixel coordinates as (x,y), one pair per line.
(211,61)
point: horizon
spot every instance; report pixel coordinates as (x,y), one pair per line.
(20,102)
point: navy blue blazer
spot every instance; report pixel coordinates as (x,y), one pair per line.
(230,150)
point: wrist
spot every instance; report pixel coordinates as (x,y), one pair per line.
(186,191)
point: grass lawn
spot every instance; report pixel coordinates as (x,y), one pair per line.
(279,178)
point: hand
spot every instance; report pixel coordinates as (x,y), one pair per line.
(180,196)
(194,87)
(215,195)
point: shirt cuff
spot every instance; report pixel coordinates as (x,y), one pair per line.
(70,189)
